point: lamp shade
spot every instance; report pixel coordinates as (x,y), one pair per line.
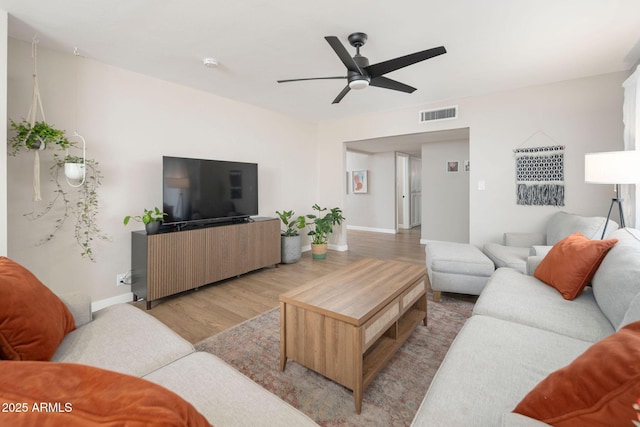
(612,167)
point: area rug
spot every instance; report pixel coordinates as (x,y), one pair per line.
(392,399)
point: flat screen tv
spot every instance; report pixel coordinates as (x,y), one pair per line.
(203,191)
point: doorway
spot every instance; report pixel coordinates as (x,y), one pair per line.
(408,191)
(409,185)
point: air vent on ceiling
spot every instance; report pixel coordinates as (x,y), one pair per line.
(439,114)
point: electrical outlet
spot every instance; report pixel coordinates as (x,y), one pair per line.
(120,279)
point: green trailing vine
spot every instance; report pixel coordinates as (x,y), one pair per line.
(83,205)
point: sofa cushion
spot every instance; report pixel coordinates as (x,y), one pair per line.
(516,297)
(632,314)
(458,258)
(617,280)
(67,394)
(563,224)
(33,320)
(507,256)
(224,395)
(125,339)
(491,365)
(572,262)
(597,388)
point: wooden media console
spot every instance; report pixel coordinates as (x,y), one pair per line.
(169,263)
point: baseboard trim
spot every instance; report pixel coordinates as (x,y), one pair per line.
(104,303)
(372,229)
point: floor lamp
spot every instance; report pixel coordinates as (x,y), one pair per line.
(613,167)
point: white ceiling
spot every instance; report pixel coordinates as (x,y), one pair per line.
(492,45)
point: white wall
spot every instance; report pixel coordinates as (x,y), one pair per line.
(3,133)
(585,115)
(445,195)
(374,210)
(130,121)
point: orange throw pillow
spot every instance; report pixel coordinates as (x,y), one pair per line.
(572,262)
(599,388)
(73,395)
(33,320)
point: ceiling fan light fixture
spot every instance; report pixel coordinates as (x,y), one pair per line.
(359,84)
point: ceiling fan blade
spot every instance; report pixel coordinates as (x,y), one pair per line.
(387,83)
(311,78)
(342,53)
(341,94)
(385,67)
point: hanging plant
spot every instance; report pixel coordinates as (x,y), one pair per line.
(33,137)
(82,204)
(74,168)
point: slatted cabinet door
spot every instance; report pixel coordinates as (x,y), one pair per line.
(175,263)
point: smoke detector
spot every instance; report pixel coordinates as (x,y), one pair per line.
(210,63)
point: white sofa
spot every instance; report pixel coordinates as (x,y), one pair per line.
(124,339)
(522,330)
(518,246)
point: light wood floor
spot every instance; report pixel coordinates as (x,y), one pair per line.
(198,314)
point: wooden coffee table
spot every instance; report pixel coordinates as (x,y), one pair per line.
(348,324)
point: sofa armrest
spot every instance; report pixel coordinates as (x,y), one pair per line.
(540,250)
(80,307)
(524,240)
(532,264)
(511,419)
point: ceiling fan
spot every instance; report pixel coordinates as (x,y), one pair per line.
(360,74)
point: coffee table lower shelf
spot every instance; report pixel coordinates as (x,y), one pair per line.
(379,354)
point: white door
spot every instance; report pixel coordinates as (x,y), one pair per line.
(403,195)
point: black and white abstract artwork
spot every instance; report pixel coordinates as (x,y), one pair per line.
(540,176)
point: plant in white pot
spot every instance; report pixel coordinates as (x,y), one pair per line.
(321,225)
(74,167)
(290,238)
(152,219)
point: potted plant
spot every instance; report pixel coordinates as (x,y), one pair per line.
(290,238)
(36,137)
(321,226)
(82,204)
(74,167)
(150,218)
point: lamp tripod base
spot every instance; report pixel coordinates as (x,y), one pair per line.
(619,203)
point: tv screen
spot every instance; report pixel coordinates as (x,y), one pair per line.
(199,190)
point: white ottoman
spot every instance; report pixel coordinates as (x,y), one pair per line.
(457,267)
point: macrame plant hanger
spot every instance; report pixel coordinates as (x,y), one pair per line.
(36,104)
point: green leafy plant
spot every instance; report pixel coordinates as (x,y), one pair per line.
(82,204)
(322,224)
(292,225)
(147,217)
(30,137)
(73,159)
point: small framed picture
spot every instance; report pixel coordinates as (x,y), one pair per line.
(359,181)
(453,166)
(466,166)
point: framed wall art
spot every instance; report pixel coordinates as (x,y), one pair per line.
(359,181)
